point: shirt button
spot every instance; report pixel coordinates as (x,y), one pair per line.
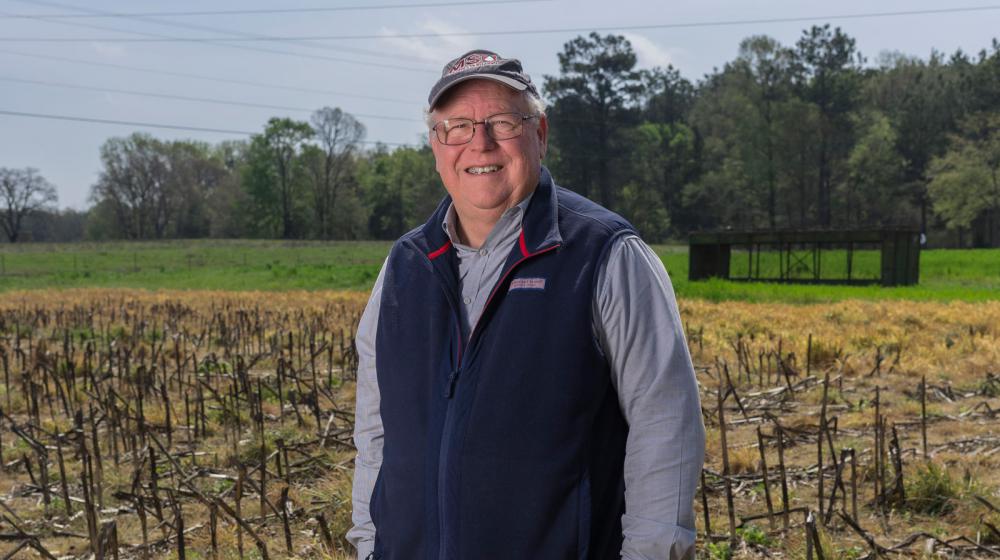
(484,252)
(468,300)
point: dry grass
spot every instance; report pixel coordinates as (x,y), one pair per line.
(862,345)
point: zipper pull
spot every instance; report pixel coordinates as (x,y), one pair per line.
(449,388)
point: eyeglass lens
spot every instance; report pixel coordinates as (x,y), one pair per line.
(503,126)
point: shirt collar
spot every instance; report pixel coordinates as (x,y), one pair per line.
(508,224)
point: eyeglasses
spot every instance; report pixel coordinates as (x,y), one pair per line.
(502,126)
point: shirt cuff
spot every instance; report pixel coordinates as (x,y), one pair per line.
(365,548)
(650,540)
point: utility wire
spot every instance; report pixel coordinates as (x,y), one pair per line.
(127,123)
(641,27)
(209,78)
(99,13)
(152,125)
(313,10)
(222,42)
(188,98)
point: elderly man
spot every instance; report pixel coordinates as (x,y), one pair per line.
(524,388)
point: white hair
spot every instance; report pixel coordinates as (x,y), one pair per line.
(536,105)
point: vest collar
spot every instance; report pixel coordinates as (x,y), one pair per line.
(539,226)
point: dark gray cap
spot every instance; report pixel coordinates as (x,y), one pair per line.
(482,64)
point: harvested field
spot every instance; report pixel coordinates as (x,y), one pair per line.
(198,424)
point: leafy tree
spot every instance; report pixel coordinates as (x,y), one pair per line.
(134,185)
(874,193)
(401,189)
(797,143)
(921,100)
(754,131)
(668,96)
(979,86)
(768,70)
(716,117)
(965,183)
(22,192)
(723,116)
(721,198)
(152,188)
(331,163)
(663,159)
(645,210)
(594,98)
(273,176)
(196,171)
(830,79)
(103,221)
(228,205)
(60,226)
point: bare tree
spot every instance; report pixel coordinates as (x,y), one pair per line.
(338,134)
(22,191)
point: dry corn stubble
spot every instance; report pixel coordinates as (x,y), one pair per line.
(191,344)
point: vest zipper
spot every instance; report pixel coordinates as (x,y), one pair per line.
(450,391)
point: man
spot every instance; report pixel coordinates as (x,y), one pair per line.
(524,387)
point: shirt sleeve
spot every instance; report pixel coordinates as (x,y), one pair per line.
(367,427)
(639,328)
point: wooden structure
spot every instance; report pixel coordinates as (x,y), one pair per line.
(800,255)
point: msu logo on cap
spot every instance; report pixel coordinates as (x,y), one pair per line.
(485,64)
(475,60)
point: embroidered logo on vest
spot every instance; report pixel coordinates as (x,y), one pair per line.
(537,284)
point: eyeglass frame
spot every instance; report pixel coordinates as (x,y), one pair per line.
(489,128)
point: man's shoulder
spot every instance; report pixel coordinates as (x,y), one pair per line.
(414,238)
(589,213)
(414,234)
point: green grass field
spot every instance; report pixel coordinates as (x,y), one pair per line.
(970,275)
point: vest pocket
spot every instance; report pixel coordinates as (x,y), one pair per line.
(583,516)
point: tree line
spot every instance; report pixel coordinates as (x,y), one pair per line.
(810,135)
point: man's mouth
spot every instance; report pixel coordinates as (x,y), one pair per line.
(484,169)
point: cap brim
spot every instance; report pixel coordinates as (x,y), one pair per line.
(509,82)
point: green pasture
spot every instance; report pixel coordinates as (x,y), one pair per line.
(196,265)
(310,265)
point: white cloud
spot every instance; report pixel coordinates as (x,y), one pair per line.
(649,53)
(436,50)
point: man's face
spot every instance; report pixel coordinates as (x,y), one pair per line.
(511,166)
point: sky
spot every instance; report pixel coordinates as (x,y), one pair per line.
(375,59)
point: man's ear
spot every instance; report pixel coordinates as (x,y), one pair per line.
(543,135)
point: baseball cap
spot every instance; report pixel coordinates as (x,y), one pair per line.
(482,64)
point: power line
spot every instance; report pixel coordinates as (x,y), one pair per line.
(127,123)
(222,41)
(272,10)
(152,125)
(209,78)
(641,27)
(98,13)
(189,98)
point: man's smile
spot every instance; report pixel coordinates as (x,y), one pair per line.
(482,170)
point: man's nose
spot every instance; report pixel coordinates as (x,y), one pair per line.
(482,140)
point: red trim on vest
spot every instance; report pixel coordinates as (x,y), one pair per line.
(440,251)
(524,246)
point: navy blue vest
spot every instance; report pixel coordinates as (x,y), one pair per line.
(510,446)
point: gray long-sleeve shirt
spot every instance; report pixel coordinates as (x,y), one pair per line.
(639,330)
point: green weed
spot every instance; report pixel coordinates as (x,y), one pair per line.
(751,534)
(718,551)
(931,490)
